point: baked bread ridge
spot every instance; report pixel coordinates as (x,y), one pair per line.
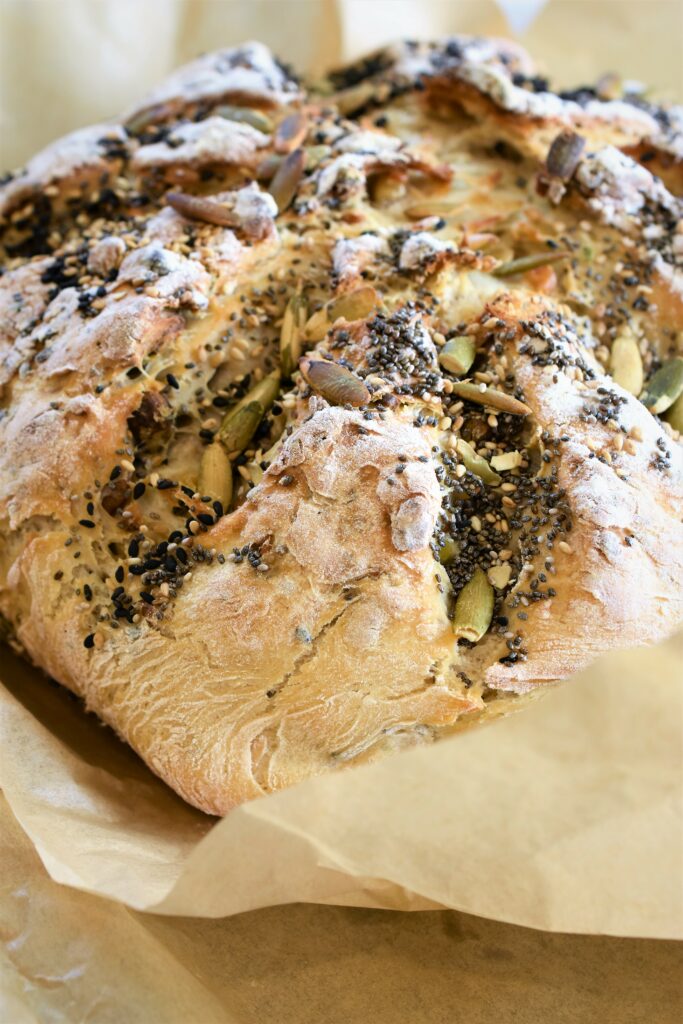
(312,627)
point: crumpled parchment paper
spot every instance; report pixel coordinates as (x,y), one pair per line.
(565,816)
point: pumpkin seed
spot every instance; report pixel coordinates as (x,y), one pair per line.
(474,608)
(215,474)
(674,414)
(241,422)
(626,363)
(524,263)
(610,86)
(201,208)
(287,178)
(476,464)
(337,384)
(144,118)
(489,396)
(665,387)
(564,155)
(296,314)
(457,355)
(246,115)
(449,550)
(351,306)
(290,132)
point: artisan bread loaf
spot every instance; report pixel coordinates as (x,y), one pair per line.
(336,420)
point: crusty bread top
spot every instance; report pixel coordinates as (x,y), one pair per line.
(312,625)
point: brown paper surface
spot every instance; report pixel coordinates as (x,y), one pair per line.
(566,817)
(71,958)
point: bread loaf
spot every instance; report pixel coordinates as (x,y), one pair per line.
(335,420)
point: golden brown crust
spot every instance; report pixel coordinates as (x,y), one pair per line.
(311,627)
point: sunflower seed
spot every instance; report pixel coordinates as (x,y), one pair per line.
(215,474)
(246,115)
(564,155)
(474,608)
(355,97)
(201,208)
(296,314)
(499,576)
(430,208)
(457,355)
(665,387)
(241,422)
(525,263)
(315,155)
(489,396)
(287,178)
(506,461)
(386,189)
(476,464)
(290,133)
(626,363)
(267,167)
(334,382)
(254,472)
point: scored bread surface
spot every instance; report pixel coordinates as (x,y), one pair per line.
(312,620)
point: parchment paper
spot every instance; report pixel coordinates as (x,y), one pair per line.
(566,817)
(72,958)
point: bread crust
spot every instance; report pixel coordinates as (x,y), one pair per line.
(311,627)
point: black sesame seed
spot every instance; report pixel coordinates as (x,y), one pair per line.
(172,380)
(139,490)
(89,640)
(88,523)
